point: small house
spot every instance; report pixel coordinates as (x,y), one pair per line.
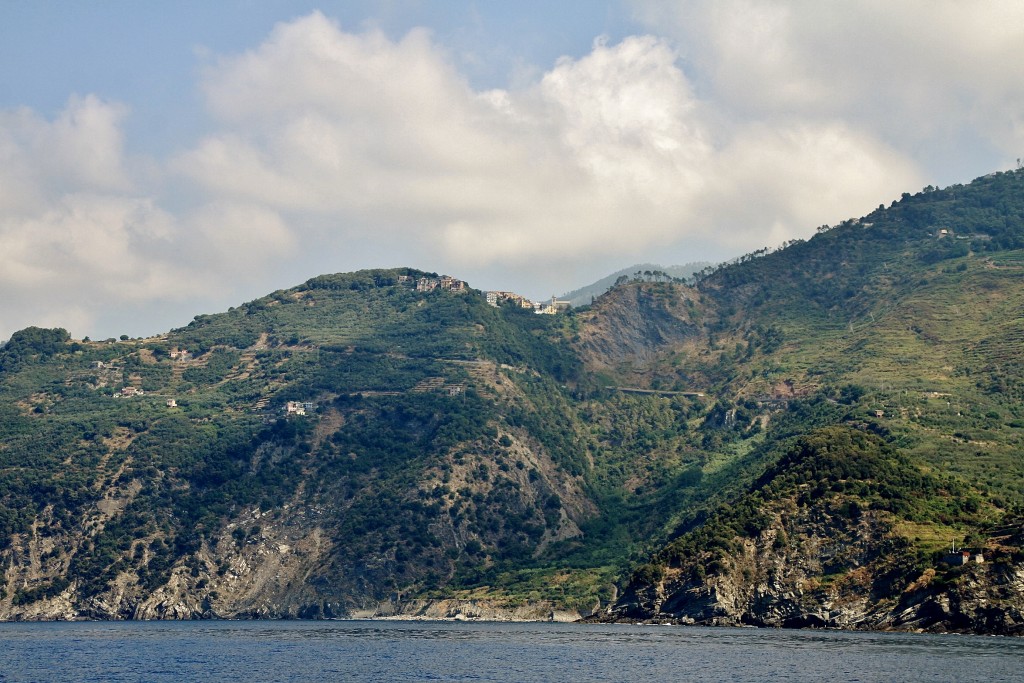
(451,284)
(957,559)
(299,407)
(960,558)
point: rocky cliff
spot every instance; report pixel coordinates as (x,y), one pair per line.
(338,545)
(803,549)
(831,574)
(631,327)
(463,609)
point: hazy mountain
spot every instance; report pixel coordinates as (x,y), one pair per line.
(585,295)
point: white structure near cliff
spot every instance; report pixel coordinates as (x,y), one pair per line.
(299,407)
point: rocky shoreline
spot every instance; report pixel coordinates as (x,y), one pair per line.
(985,600)
(470,610)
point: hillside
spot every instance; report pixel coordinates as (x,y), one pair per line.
(794,440)
(821,540)
(140,481)
(584,296)
(903,324)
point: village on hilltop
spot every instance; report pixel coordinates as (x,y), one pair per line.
(110,372)
(448,283)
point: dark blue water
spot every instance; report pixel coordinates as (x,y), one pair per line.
(431,651)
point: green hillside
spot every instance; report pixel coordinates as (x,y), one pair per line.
(417,455)
(903,325)
(354,445)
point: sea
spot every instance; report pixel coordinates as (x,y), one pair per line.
(258,651)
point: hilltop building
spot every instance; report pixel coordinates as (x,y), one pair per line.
(450,284)
(551,308)
(299,407)
(446,283)
(496,298)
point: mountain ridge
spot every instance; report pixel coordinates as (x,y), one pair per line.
(585,295)
(486,456)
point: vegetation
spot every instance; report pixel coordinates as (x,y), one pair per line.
(448,447)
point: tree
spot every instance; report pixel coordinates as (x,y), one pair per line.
(30,342)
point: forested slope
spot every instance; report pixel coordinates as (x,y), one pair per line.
(902,325)
(791,439)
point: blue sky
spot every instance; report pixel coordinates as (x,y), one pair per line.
(159,160)
(149,54)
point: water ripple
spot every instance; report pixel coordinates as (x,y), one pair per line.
(255,652)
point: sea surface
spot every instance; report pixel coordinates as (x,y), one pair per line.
(257,651)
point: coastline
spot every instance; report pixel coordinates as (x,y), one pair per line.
(455,609)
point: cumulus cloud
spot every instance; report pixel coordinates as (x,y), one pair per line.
(914,72)
(75,235)
(240,239)
(388,135)
(612,152)
(86,239)
(734,125)
(80,150)
(774,183)
(88,255)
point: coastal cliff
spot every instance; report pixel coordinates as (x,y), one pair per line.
(792,439)
(818,542)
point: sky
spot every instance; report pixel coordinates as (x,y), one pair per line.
(160,160)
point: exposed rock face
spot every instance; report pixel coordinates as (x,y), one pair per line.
(262,576)
(290,561)
(810,569)
(631,326)
(989,598)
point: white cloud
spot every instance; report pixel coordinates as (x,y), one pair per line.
(774,183)
(383,134)
(85,239)
(627,116)
(611,153)
(80,150)
(914,72)
(239,239)
(741,124)
(75,237)
(86,256)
